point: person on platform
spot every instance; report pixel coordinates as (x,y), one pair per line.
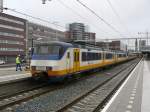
(18,63)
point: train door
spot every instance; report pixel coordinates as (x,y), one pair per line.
(103,57)
(76,62)
(68,65)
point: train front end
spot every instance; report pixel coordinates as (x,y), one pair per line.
(46,60)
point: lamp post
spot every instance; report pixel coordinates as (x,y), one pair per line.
(31,37)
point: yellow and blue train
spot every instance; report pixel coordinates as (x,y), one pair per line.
(58,60)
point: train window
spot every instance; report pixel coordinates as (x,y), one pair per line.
(109,56)
(92,56)
(89,56)
(103,56)
(121,55)
(68,55)
(99,56)
(124,55)
(84,56)
(96,56)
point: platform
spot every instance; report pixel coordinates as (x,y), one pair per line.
(9,74)
(134,94)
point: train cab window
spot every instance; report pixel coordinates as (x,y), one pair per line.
(42,50)
(55,50)
(49,50)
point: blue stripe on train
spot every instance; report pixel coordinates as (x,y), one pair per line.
(45,57)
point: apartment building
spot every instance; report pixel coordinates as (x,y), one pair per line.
(12,37)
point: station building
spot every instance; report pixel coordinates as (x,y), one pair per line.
(12,37)
(40,33)
(114,45)
(18,35)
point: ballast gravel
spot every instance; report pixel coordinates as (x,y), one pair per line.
(52,101)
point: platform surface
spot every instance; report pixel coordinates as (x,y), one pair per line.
(10,74)
(146,87)
(134,94)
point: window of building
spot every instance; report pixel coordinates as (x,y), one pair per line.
(11,27)
(11,42)
(11,20)
(11,35)
(11,49)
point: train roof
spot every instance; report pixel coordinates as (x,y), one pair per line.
(64,44)
(75,45)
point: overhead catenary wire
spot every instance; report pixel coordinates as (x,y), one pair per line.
(75,12)
(33,17)
(37,18)
(100,18)
(118,17)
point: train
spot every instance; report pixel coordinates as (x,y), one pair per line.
(59,60)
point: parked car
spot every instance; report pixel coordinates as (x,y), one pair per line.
(2,62)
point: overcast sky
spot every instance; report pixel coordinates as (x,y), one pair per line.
(133,17)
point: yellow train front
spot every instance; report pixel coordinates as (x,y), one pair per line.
(58,60)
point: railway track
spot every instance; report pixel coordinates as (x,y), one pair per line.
(15,99)
(18,87)
(96,98)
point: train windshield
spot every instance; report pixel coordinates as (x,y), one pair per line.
(48,50)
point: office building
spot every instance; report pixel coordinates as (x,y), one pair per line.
(76,31)
(12,37)
(1,6)
(40,33)
(89,36)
